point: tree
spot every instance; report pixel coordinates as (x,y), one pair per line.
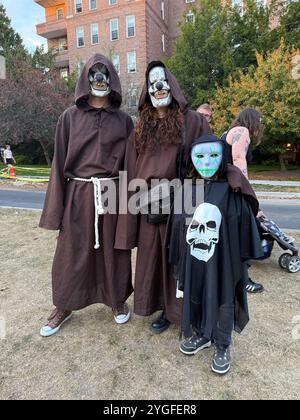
(289,28)
(30,105)
(273,89)
(202,55)
(11,45)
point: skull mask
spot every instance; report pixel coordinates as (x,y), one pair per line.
(99,80)
(158,88)
(203,232)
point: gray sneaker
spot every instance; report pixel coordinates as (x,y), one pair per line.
(194,344)
(221,360)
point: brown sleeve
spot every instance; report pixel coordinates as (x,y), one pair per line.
(126,232)
(53,211)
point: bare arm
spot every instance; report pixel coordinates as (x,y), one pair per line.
(240,141)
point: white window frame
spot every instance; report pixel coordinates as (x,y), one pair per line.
(94,25)
(116,58)
(77,37)
(129,54)
(111,31)
(90,5)
(75,6)
(128,18)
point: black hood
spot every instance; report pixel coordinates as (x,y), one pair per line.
(175,88)
(83,86)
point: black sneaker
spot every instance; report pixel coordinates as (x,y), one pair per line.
(221,360)
(160,325)
(253,287)
(194,344)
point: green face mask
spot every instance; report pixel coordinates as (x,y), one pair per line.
(207,158)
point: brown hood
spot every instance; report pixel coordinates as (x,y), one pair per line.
(175,88)
(83,85)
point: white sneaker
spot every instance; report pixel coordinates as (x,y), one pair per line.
(122,314)
(55,321)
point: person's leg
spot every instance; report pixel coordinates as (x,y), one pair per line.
(221,360)
(251,286)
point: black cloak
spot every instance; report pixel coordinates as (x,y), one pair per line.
(209,252)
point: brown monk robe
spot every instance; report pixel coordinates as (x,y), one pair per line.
(153,155)
(90,142)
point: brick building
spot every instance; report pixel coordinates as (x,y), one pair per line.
(130,32)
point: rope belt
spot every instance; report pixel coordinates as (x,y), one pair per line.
(99,210)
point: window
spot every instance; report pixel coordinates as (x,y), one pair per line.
(130,26)
(80,66)
(132,97)
(64,73)
(80,37)
(59,13)
(62,44)
(116,62)
(94,33)
(131,62)
(114,29)
(163,43)
(190,17)
(93,4)
(78,6)
(112,2)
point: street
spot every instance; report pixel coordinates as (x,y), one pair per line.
(286,213)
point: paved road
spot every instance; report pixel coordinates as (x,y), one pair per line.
(286,213)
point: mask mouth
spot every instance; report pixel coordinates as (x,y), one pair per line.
(101,86)
(161,94)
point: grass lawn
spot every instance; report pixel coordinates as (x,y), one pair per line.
(29,170)
(93,358)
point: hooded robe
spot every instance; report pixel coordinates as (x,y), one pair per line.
(89,142)
(209,253)
(154,287)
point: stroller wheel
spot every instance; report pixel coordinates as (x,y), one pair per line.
(293,264)
(283,260)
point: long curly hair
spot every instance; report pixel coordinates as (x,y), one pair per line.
(153,132)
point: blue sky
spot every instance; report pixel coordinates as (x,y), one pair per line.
(24,15)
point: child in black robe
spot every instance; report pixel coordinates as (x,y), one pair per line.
(208,251)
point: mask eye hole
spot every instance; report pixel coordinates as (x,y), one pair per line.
(211,225)
(214,155)
(200,156)
(194,226)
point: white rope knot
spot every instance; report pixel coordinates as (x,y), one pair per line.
(99,210)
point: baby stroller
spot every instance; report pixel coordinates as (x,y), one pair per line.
(271,232)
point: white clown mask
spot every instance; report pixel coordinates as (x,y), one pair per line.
(158,87)
(99,80)
(203,232)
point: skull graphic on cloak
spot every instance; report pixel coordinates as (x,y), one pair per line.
(203,232)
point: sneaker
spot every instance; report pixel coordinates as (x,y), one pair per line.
(253,287)
(121,314)
(194,344)
(57,318)
(161,324)
(221,360)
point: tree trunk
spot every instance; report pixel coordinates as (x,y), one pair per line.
(46,154)
(282,164)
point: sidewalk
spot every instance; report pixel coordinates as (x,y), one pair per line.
(275,183)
